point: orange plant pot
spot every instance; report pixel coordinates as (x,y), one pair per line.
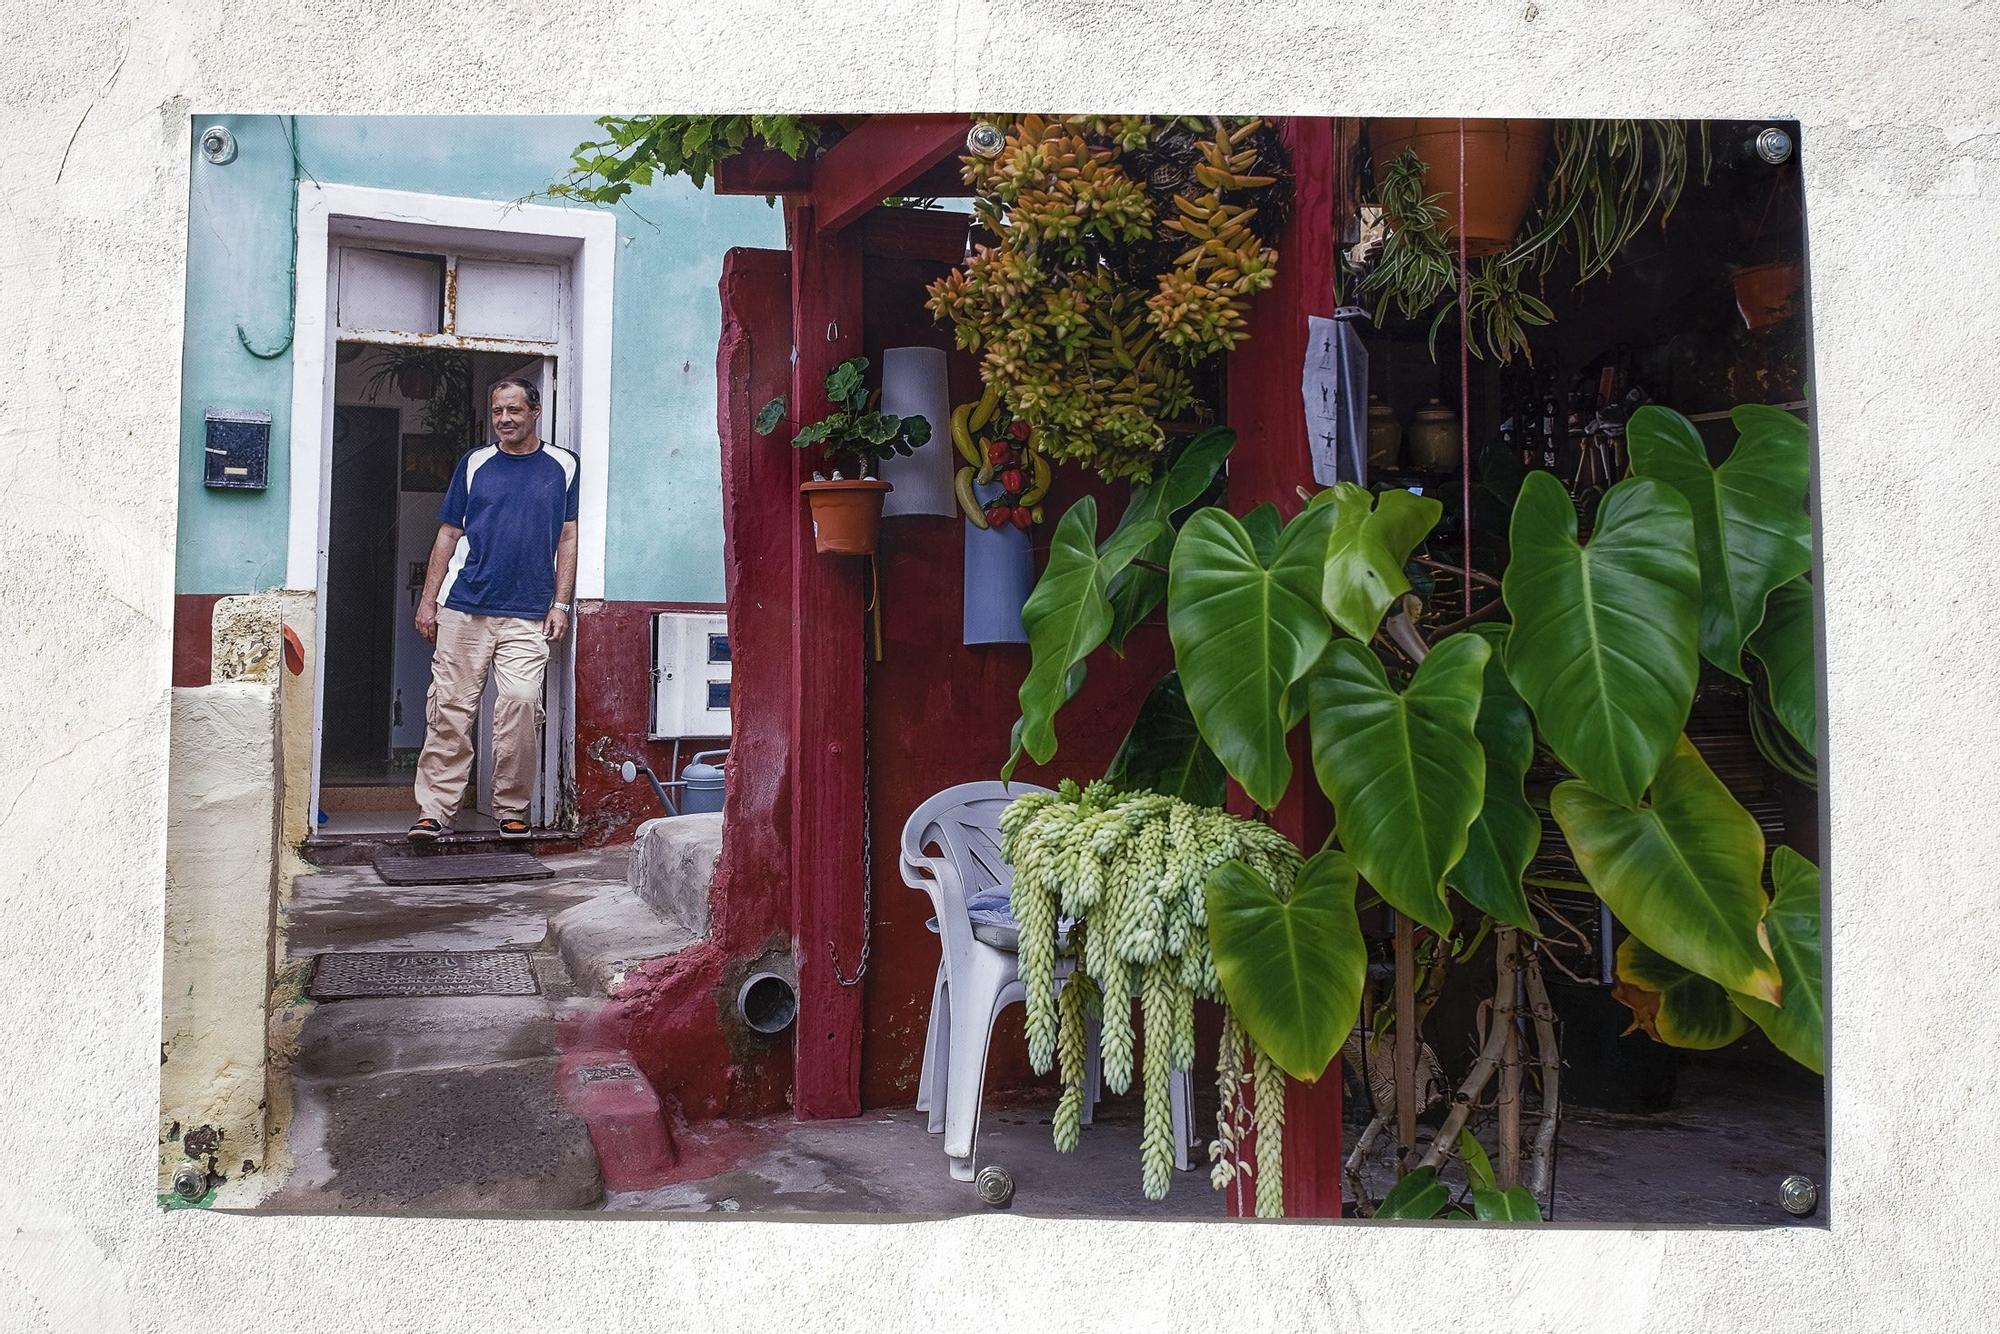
(1503,165)
(846,515)
(1767,293)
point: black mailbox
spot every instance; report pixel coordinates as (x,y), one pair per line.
(238,450)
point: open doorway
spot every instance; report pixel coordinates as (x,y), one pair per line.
(402,418)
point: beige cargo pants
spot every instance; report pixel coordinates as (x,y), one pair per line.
(468,647)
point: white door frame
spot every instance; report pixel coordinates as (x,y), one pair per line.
(329,214)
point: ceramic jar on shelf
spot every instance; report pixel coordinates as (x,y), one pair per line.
(1434,439)
(1385,435)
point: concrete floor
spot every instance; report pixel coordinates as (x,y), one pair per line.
(447,1104)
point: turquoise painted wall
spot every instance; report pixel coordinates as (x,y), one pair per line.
(665,514)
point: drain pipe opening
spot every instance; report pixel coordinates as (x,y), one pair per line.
(767,1003)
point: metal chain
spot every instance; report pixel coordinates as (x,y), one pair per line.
(867,833)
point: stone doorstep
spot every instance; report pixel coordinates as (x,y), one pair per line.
(673,862)
(359,849)
(606,937)
(628,1126)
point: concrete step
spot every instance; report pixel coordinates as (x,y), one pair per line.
(359,849)
(673,861)
(606,937)
(442,1104)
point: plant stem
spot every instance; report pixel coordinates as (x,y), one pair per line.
(1505,966)
(1407,1039)
(1541,1157)
(1508,1168)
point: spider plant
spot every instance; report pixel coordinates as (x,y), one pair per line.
(1609,178)
(1417,262)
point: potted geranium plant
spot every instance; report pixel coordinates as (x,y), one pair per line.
(847,510)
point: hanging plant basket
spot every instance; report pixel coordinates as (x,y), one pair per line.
(1503,165)
(417,381)
(1767,293)
(846,514)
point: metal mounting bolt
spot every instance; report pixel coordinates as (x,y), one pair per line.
(190,1183)
(1774,146)
(1798,1195)
(218,145)
(995,1186)
(985,139)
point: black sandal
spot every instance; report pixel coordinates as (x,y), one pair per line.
(425,830)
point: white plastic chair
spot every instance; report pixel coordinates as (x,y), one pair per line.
(978,974)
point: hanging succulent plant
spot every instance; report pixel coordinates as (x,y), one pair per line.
(1129,249)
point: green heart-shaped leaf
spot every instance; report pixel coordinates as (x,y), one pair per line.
(1516,1205)
(1604,645)
(1404,772)
(1137,590)
(1784,644)
(1684,873)
(1164,751)
(1798,1027)
(1291,967)
(1672,1005)
(1371,541)
(1503,840)
(1245,630)
(1750,524)
(1418,1195)
(1478,1167)
(1066,617)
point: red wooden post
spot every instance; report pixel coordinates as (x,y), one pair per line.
(1271,460)
(826,729)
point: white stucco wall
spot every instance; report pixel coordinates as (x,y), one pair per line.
(222,843)
(1902,170)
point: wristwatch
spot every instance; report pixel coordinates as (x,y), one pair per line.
(562,607)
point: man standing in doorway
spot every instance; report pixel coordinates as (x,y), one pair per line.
(496,598)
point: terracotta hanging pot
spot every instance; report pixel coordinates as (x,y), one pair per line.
(1503,165)
(846,514)
(1767,293)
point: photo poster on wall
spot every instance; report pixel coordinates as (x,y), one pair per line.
(1404,715)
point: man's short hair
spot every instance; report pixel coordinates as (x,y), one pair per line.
(534,394)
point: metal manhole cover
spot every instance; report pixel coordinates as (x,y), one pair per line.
(469,973)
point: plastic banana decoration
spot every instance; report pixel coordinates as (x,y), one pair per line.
(1007,456)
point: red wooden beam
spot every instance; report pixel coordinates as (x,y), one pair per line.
(881,157)
(931,234)
(826,734)
(762,171)
(1271,460)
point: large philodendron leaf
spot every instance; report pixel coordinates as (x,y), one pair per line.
(1292,967)
(1066,617)
(1750,525)
(1784,644)
(1604,645)
(1418,1195)
(1684,874)
(1372,539)
(1514,1205)
(1672,1005)
(1245,631)
(1404,772)
(1164,751)
(1798,1027)
(1503,840)
(1137,590)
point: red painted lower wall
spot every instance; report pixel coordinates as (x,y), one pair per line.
(614,700)
(194,623)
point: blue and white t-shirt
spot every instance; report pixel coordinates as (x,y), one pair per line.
(512,508)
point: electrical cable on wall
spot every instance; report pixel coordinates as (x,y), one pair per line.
(292,267)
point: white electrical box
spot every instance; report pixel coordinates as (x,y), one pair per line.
(690,674)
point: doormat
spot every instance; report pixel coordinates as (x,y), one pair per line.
(466,973)
(458,868)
